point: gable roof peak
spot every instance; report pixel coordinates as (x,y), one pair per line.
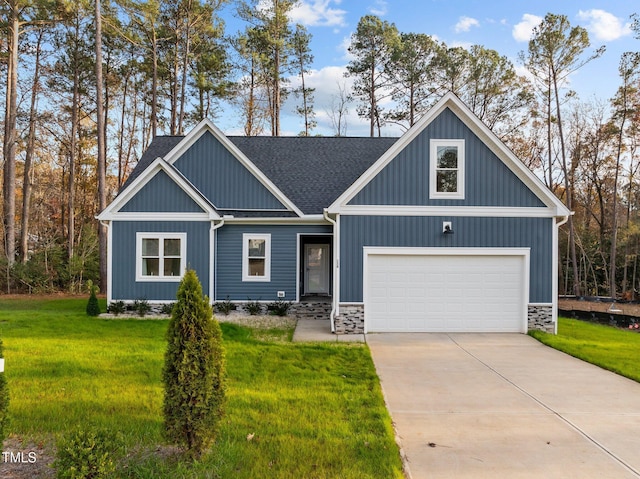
(483,132)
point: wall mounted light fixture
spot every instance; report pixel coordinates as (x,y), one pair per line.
(447,228)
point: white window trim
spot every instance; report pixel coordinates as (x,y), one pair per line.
(433,162)
(267,256)
(160,236)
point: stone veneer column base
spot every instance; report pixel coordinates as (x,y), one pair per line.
(540,317)
(350,320)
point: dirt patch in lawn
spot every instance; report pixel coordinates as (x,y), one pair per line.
(25,460)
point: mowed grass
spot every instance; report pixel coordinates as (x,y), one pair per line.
(294,410)
(615,349)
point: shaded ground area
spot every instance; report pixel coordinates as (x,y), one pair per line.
(629,309)
(618,314)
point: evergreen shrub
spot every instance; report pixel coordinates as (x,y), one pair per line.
(194,371)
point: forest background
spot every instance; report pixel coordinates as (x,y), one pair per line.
(86,85)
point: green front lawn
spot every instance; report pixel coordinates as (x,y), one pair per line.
(617,350)
(294,410)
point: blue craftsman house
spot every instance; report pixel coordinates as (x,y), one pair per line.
(440,230)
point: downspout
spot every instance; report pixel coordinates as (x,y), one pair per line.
(556,266)
(107,225)
(336,266)
(566,218)
(212,262)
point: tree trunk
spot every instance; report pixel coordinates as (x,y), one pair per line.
(154,86)
(372,101)
(568,190)
(28,159)
(174,86)
(102,149)
(73,147)
(9,170)
(185,69)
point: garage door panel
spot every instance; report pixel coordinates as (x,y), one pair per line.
(445,292)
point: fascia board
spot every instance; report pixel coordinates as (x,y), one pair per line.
(481,130)
(111,212)
(497,146)
(386,158)
(206,125)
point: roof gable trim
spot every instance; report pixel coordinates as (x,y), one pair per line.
(207,126)
(489,138)
(113,210)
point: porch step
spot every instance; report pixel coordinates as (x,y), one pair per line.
(311,310)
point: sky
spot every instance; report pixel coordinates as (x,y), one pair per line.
(501,25)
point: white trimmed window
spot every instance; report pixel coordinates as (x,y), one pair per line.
(160,256)
(446,169)
(256,257)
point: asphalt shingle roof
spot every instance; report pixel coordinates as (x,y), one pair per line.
(311,171)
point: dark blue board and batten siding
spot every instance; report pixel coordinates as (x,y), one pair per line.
(469,232)
(405,180)
(221,178)
(161,195)
(284,258)
(124,284)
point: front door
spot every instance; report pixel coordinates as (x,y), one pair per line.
(316,268)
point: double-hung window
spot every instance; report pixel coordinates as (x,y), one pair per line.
(256,257)
(446,169)
(160,256)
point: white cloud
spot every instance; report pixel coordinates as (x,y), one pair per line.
(522,31)
(465,23)
(343,48)
(379,8)
(326,82)
(604,25)
(318,13)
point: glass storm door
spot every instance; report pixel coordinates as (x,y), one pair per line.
(316,269)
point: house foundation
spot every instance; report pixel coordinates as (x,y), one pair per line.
(540,317)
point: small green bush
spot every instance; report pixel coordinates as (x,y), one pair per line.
(194,371)
(4,403)
(117,307)
(87,454)
(225,307)
(142,307)
(93,308)
(167,308)
(253,307)
(279,308)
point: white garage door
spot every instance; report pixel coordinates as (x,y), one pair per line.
(478,291)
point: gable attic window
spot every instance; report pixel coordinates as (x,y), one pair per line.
(160,256)
(446,169)
(256,257)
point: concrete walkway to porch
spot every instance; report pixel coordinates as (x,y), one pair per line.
(319,330)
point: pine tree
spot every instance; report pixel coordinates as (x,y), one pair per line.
(194,371)
(93,308)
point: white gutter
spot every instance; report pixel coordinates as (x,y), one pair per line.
(335,310)
(212,261)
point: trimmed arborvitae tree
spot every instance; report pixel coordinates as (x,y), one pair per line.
(4,402)
(93,308)
(194,371)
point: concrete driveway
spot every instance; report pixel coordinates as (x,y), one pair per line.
(504,405)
